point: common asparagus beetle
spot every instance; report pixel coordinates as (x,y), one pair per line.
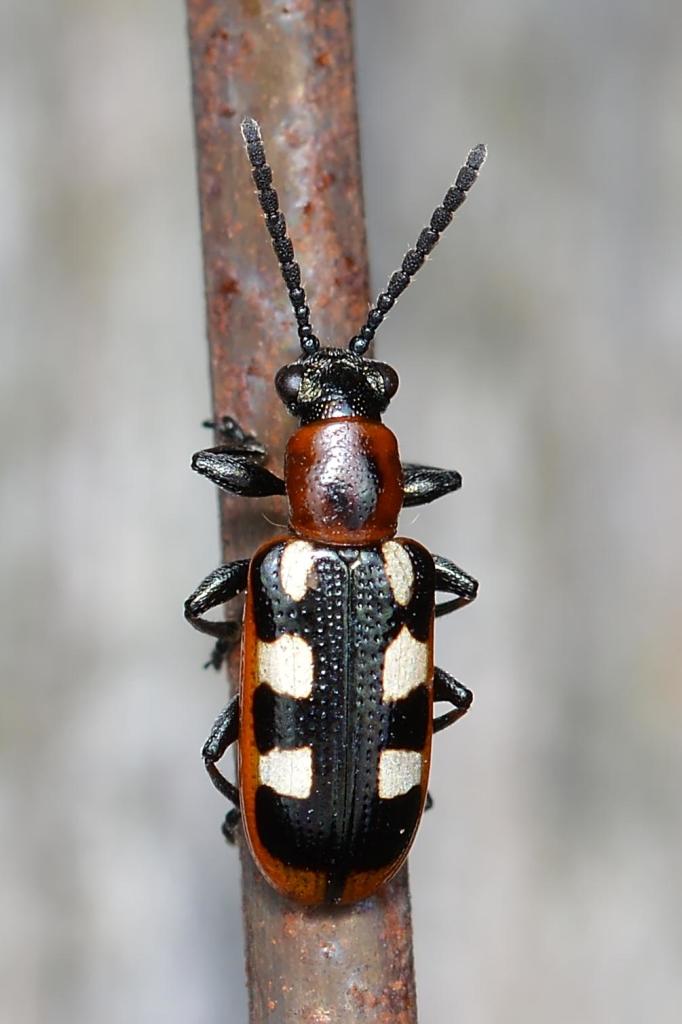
(334,715)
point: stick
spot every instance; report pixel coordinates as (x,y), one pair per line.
(291,67)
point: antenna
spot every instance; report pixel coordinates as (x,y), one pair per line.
(277,226)
(414,258)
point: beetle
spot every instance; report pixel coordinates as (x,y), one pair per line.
(334,716)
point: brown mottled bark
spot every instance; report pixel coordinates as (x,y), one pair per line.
(291,67)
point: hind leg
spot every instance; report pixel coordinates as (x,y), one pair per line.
(223,734)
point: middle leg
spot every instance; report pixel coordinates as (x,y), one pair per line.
(450,579)
(223,734)
(446,688)
(219,586)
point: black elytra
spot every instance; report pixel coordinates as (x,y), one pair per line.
(349,620)
(334,716)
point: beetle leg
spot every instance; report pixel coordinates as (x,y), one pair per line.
(223,734)
(445,687)
(423,484)
(221,585)
(235,465)
(231,825)
(237,471)
(450,579)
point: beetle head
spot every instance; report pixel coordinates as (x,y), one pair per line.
(335,382)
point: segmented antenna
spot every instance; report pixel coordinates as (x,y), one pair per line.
(277,226)
(414,258)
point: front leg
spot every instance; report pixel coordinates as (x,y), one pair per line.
(452,580)
(423,484)
(219,586)
(237,472)
(235,465)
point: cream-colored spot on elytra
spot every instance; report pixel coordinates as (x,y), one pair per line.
(399,771)
(288,772)
(298,558)
(286,665)
(405,665)
(399,571)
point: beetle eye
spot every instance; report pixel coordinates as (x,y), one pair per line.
(288,383)
(390,378)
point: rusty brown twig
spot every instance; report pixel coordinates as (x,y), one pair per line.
(291,67)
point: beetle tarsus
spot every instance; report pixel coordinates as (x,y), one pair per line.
(221,650)
(232,434)
(231,825)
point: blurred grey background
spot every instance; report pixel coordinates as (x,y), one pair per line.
(539,354)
